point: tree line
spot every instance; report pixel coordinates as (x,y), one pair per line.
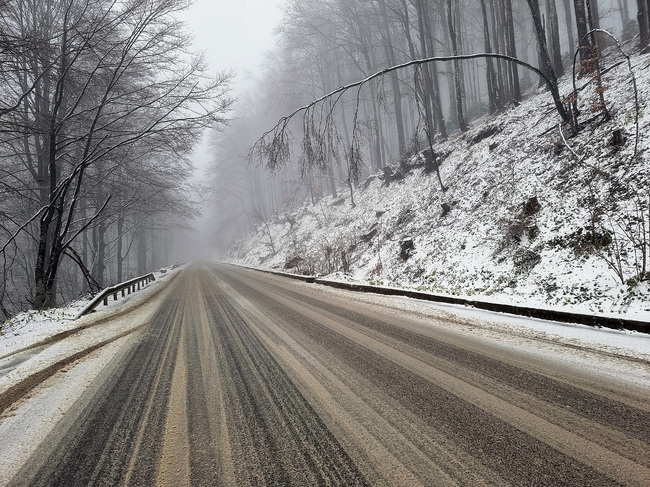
(484,55)
(101,104)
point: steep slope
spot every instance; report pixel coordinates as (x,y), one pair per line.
(531,215)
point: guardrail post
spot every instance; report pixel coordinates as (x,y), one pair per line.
(127,287)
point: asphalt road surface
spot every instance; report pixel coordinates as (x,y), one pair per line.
(242,378)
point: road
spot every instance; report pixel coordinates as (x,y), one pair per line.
(241,378)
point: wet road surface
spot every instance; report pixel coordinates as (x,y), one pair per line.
(242,378)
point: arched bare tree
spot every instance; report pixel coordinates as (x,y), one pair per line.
(273,148)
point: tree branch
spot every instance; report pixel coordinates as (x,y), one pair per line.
(277,149)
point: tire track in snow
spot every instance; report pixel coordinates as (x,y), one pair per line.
(243,380)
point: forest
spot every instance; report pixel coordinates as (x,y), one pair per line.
(489,54)
(101,106)
(103,103)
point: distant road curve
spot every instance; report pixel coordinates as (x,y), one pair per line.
(242,378)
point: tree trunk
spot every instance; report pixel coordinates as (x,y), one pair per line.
(421,98)
(332,182)
(397,95)
(433,78)
(344,118)
(84,253)
(454,35)
(643,17)
(155,251)
(375,143)
(593,22)
(554,38)
(42,291)
(582,25)
(120,241)
(493,94)
(511,50)
(498,21)
(376,116)
(647,16)
(99,242)
(569,26)
(547,67)
(142,250)
(46,261)
(427,85)
(594,12)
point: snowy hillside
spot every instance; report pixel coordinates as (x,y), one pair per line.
(531,215)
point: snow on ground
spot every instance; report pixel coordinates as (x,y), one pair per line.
(31,327)
(28,422)
(24,428)
(599,352)
(25,352)
(527,219)
(624,343)
(621,356)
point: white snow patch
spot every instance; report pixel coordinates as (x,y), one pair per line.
(24,428)
(617,355)
(31,327)
(488,246)
(25,425)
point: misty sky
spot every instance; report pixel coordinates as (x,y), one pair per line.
(234,33)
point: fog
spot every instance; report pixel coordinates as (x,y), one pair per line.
(329,43)
(144,160)
(233,36)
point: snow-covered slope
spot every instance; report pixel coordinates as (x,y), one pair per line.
(531,215)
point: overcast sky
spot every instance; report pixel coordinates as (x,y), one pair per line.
(234,33)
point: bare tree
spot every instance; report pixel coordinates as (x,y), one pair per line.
(643,17)
(554,38)
(454,34)
(274,146)
(494,99)
(115,76)
(550,77)
(332,44)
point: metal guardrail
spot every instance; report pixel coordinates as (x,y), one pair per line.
(123,288)
(593,320)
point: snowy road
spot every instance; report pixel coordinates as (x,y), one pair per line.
(242,378)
